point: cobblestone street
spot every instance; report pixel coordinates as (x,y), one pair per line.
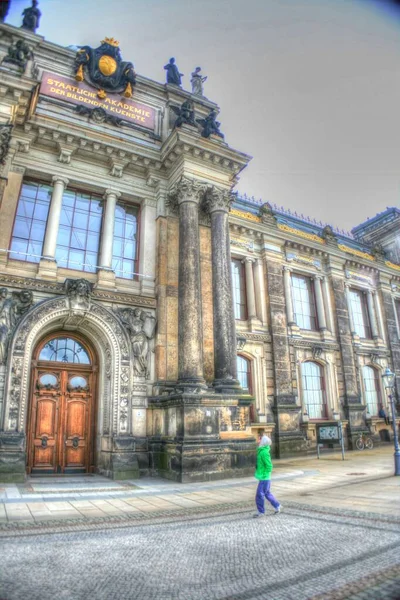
(302,553)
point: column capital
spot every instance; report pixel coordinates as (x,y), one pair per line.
(287,269)
(187,190)
(110,192)
(59,178)
(259,261)
(218,199)
(248,259)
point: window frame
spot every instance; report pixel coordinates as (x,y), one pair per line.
(312,303)
(249,372)
(93,195)
(24,257)
(362,295)
(242,290)
(322,390)
(376,380)
(135,275)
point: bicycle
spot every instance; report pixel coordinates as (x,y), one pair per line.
(363,441)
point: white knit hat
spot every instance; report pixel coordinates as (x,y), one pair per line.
(265,441)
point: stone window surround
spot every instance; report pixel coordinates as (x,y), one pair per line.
(379,368)
(254,288)
(396,308)
(111,196)
(374,312)
(330,380)
(322,297)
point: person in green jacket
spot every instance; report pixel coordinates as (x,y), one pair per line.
(263,474)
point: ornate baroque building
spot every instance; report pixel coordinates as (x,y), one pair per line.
(151,321)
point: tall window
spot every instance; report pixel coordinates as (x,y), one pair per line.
(125,241)
(359,310)
(79,233)
(313,386)
(30,221)
(371,388)
(244,373)
(304,311)
(239,290)
(397,309)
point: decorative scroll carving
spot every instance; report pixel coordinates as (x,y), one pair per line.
(98,115)
(12,310)
(141,328)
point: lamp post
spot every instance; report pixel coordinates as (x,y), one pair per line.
(388,382)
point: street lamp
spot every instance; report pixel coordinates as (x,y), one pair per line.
(388,382)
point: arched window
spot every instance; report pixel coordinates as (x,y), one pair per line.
(371,388)
(66,350)
(313,386)
(244,373)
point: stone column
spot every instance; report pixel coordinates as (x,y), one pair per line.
(327,303)
(251,299)
(372,315)
(320,303)
(225,365)
(381,326)
(260,291)
(53,220)
(351,321)
(288,296)
(188,194)
(107,236)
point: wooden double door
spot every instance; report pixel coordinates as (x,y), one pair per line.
(61,423)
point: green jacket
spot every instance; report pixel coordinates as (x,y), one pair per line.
(264,463)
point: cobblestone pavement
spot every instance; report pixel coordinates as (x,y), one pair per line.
(217,553)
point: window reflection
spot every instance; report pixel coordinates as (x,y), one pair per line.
(64,350)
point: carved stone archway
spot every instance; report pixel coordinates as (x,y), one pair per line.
(106,333)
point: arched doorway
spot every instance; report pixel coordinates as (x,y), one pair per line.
(62,406)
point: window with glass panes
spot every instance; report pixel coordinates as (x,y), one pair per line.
(371,390)
(125,241)
(244,373)
(313,387)
(79,232)
(30,221)
(359,310)
(239,290)
(305,315)
(397,309)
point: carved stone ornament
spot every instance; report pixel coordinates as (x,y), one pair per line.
(185,114)
(218,200)
(18,54)
(187,190)
(104,69)
(378,251)
(266,214)
(12,308)
(140,326)
(328,234)
(210,126)
(78,292)
(5,137)
(98,115)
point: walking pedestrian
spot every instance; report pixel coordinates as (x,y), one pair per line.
(382,414)
(263,474)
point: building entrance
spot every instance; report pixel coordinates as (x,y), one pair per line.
(62,415)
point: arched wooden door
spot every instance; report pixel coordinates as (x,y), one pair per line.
(62,415)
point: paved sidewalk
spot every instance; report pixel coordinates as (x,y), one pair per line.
(364,481)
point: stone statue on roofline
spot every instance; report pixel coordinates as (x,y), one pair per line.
(31,17)
(173,75)
(197,82)
(4,8)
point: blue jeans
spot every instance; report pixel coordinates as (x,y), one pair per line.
(263,491)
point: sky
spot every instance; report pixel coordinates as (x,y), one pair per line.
(309,88)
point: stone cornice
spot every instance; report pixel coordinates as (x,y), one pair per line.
(187,141)
(36,285)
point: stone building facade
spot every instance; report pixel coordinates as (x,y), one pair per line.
(151,321)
